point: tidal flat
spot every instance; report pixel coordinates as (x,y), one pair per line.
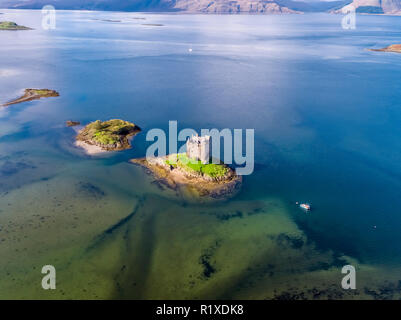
(251,249)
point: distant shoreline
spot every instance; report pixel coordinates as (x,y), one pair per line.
(181,12)
(173,12)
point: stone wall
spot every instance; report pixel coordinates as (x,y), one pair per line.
(199,148)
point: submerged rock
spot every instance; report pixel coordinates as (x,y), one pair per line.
(70,123)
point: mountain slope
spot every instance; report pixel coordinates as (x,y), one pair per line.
(238,6)
(191,6)
(112,5)
(203,6)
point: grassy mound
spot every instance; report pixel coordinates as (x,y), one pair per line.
(110,134)
(212,170)
(41,92)
(8,25)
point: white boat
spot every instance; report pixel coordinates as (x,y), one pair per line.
(305,206)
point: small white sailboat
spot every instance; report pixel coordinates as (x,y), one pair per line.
(305,206)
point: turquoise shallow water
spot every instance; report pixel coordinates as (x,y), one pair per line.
(326,115)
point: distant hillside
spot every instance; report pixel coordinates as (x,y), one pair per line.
(190,6)
(112,5)
(238,6)
(378,6)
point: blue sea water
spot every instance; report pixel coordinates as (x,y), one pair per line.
(326,114)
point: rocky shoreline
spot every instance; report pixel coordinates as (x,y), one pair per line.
(33,94)
(192,185)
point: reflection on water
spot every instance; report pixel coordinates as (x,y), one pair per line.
(326,119)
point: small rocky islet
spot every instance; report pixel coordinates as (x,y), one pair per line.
(111,135)
(71,123)
(33,94)
(393,48)
(107,20)
(191,178)
(153,24)
(12,26)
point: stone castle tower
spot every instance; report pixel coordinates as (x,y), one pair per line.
(199,148)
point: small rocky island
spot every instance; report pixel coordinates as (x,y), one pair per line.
(111,135)
(192,175)
(106,20)
(392,48)
(70,123)
(33,94)
(153,24)
(11,26)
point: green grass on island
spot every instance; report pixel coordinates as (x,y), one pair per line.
(41,92)
(109,132)
(8,25)
(191,165)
